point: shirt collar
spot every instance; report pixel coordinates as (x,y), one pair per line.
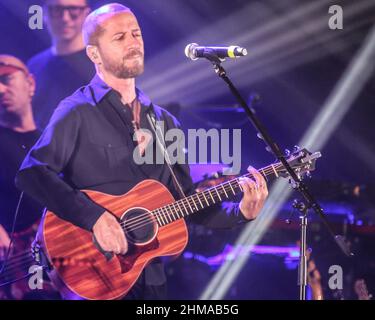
(97,89)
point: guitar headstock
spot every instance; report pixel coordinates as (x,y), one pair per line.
(301,160)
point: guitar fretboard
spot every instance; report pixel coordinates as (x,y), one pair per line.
(209,197)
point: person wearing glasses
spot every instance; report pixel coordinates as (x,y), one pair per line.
(64,66)
(18,133)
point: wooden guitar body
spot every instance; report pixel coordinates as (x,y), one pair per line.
(153,224)
(81,271)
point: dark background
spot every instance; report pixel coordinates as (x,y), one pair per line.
(301,63)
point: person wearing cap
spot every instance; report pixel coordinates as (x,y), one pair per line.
(64,66)
(18,133)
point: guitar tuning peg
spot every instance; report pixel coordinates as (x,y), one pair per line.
(287,152)
(259,136)
(268,149)
(296,148)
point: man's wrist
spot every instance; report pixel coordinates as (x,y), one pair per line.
(247,217)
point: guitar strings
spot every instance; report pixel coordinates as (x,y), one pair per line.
(165,214)
(137,222)
(19,254)
(18,259)
(142,220)
(13,260)
(25,262)
(163,211)
(25,257)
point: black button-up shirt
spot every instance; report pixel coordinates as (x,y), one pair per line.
(88,144)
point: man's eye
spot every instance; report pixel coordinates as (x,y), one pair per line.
(5,79)
(120,37)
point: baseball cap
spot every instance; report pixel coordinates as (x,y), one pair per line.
(6,68)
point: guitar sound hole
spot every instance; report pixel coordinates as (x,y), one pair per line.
(139,225)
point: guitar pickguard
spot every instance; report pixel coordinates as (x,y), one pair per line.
(127,261)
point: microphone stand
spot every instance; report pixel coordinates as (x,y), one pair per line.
(309,201)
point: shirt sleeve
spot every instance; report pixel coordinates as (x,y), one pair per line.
(41,173)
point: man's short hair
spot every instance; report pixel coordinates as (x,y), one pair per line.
(91,27)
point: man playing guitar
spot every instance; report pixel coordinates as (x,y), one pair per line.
(88,144)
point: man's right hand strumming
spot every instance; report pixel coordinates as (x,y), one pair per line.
(110,235)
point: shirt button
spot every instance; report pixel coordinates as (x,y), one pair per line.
(109,145)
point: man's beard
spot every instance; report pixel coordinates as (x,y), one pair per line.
(122,71)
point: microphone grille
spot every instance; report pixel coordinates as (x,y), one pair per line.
(190,51)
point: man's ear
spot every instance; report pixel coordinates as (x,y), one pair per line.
(31,81)
(93,53)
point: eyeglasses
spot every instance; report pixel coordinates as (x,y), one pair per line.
(57,12)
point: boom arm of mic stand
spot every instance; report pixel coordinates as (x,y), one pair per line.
(274,148)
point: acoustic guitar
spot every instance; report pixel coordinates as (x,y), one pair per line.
(154,225)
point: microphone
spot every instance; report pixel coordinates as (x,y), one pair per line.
(194,51)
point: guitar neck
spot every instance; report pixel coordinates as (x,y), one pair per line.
(209,197)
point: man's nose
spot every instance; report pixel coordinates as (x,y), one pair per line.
(65,16)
